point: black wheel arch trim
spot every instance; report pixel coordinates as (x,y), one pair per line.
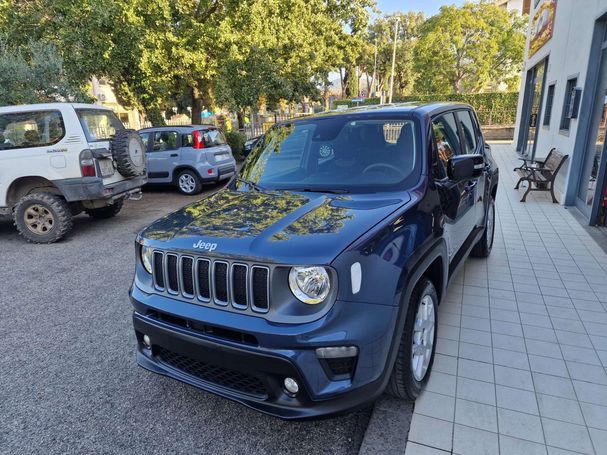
(184,167)
(416,268)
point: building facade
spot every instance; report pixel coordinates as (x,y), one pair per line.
(105,96)
(563,98)
(520,6)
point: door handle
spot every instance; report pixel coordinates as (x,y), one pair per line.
(470,185)
(174,154)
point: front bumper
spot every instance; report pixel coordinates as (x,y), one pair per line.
(252,373)
(92,188)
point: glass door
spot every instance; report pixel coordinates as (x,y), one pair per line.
(533,106)
(591,195)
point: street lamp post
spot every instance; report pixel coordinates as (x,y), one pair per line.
(393,60)
(373,83)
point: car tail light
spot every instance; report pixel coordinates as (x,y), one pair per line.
(198,140)
(87,164)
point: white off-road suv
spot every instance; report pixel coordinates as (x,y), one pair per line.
(59,159)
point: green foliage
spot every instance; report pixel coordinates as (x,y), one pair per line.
(469,49)
(498,108)
(34,74)
(236,142)
(243,82)
(381,32)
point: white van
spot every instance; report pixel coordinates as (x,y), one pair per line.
(59,159)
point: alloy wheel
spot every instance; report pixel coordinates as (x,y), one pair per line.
(39,219)
(423,337)
(187,184)
(490,225)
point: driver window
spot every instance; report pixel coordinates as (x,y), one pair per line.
(446,137)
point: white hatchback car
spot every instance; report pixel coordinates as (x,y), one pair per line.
(59,159)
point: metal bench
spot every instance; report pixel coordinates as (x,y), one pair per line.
(540,175)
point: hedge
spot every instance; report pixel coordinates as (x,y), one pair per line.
(492,108)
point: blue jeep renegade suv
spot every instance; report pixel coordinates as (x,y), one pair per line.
(311,283)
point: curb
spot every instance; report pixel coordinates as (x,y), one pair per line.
(388,427)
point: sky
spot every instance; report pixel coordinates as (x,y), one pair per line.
(429,7)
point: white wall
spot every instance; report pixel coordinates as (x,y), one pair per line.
(515,5)
(568,52)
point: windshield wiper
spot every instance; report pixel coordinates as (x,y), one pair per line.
(320,190)
(253,185)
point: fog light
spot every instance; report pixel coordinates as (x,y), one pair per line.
(147,342)
(291,386)
(337,352)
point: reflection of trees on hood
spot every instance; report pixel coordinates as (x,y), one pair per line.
(323,220)
(240,214)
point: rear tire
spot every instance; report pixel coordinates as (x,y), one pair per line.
(42,217)
(415,356)
(482,249)
(105,212)
(189,183)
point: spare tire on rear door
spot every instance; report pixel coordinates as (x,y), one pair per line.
(129,153)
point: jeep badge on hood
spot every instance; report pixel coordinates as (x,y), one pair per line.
(200,245)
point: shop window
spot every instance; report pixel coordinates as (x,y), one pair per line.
(549,103)
(568,104)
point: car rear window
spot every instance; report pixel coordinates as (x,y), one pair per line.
(99,124)
(213,138)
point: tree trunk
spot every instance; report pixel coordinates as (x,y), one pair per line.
(196,106)
(348,83)
(202,98)
(240,117)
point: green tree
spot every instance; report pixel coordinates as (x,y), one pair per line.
(160,54)
(242,83)
(381,33)
(469,48)
(34,74)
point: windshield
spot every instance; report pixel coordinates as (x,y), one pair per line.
(346,153)
(99,124)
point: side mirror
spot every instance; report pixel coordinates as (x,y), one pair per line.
(465,167)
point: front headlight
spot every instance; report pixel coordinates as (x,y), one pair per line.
(146,258)
(311,285)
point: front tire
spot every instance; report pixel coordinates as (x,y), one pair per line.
(417,345)
(105,212)
(483,247)
(42,217)
(189,183)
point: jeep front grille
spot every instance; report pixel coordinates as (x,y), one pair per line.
(223,283)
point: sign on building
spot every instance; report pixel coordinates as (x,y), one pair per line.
(542,26)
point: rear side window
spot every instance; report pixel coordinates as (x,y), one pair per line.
(187,140)
(213,138)
(446,137)
(165,140)
(30,129)
(469,132)
(99,124)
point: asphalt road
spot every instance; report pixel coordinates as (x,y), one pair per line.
(68,378)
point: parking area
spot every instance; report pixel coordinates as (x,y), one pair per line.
(68,378)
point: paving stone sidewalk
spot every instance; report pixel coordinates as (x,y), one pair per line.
(522,340)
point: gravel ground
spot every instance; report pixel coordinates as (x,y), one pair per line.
(68,378)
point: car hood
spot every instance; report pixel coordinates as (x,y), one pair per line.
(273,226)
